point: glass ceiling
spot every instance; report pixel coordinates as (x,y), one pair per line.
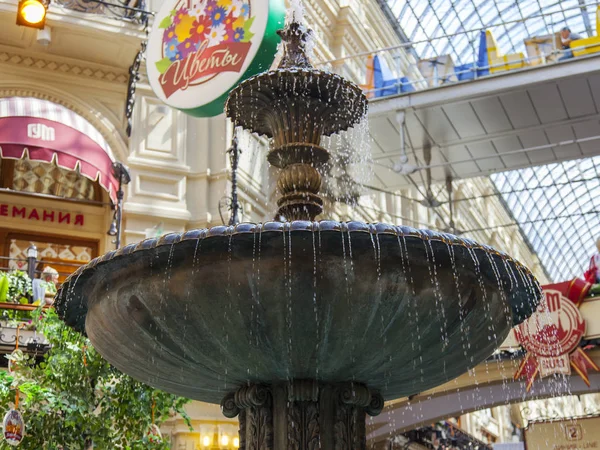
(557,207)
(457,23)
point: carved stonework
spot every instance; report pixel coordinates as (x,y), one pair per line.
(259,427)
(302,415)
(295,37)
(354,400)
(253,403)
(36,62)
(303,426)
(346,428)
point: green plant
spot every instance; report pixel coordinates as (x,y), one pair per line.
(19,287)
(49,287)
(14,318)
(3,287)
(15,287)
(74,397)
(594,290)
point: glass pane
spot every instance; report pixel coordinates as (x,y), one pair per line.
(511,22)
(557,208)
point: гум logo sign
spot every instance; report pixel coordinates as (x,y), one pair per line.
(41,132)
(200,49)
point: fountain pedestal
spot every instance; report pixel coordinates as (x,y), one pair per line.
(302,415)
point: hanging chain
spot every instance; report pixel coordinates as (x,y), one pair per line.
(17,392)
(134,77)
(234,157)
(153,408)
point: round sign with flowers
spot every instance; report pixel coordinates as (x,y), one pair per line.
(200,49)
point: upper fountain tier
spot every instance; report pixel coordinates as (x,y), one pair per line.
(296,102)
(295,105)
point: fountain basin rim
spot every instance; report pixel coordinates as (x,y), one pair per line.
(325,226)
(293,72)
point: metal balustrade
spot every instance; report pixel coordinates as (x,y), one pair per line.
(131,10)
(15,315)
(5,265)
(406,77)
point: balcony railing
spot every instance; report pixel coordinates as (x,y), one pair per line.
(445,435)
(22,291)
(16,326)
(401,76)
(131,10)
(64,267)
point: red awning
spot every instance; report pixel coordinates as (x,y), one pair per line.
(47,132)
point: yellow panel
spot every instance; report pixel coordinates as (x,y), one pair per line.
(496,58)
(492,47)
(512,61)
(594,42)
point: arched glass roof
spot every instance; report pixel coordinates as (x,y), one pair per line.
(557,207)
(452,26)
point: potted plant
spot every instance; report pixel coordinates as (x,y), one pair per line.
(19,287)
(15,287)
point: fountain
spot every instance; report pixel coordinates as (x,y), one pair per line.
(300,328)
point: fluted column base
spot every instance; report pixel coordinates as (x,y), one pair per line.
(302,415)
(299,180)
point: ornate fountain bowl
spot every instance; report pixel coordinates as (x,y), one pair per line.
(301,104)
(201,313)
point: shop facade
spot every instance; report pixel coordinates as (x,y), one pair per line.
(63,125)
(57,186)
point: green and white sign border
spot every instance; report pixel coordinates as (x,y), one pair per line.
(261,61)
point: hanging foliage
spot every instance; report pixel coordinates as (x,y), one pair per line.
(73,399)
(19,287)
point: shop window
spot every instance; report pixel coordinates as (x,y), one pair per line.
(63,254)
(47,178)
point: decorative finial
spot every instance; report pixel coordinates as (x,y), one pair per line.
(294,37)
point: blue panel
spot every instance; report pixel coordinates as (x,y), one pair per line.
(386,83)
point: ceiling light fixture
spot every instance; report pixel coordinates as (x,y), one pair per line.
(32,13)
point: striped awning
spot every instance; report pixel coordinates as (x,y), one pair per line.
(44,131)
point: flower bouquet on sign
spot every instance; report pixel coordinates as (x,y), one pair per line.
(201,39)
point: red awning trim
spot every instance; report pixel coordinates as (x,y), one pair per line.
(46,132)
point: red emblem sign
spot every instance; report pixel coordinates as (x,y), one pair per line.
(552,334)
(154,434)
(14,427)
